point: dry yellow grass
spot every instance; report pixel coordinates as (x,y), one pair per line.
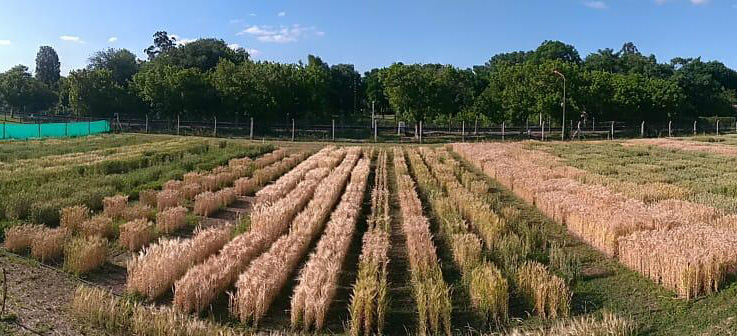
(72,217)
(136,234)
(591,325)
(206,204)
(171,220)
(113,206)
(99,225)
(136,211)
(18,238)
(168,199)
(84,254)
(48,244)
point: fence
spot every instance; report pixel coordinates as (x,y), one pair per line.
(53,130)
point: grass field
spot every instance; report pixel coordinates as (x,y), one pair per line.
(233,237)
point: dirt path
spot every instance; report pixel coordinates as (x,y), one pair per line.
(38,299)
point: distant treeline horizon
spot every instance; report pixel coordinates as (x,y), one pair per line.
(205,78)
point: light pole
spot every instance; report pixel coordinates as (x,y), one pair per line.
(563,125)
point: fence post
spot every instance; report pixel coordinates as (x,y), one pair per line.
(215,130)
(502,130)
(717,126)
(670,128)
(39,128)
(375,131)
(578,130)
(542,130)
(89,126)
(612,130)
(147,123)
(3,130)
(250,136)
(292,129)
(694,127)
(463,131)
(66,128)
(476,126)
(642,129)
(420,131)
(178,123)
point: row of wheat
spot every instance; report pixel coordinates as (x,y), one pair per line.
(369,300)
(204,282)
(277,190)
(616,224)
(262,281)
(686,145)
(153,271)
(488,290)
(318,280)
(121,316)
(431,293)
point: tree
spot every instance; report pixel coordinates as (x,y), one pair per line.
(555,50)
(96,93)
(162,44)
(172,91)
(374,91)
(48,68)
(22,92)
(345,90)
(121,62)
(203,54)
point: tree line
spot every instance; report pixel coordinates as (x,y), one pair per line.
(206,78)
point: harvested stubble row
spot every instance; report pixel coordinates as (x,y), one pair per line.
(318,280)
(369,300)
(204,282)
(155,270)
(262,281)
(488,290)
(431,293)
(605,219)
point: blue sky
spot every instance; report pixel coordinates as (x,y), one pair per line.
(371,33)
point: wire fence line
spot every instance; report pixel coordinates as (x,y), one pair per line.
(389,129)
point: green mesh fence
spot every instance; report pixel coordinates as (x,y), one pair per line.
(53,130)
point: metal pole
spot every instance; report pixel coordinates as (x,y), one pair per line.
(89,126)
(694,127)
(292,129)
(375,131)
(670,130)
(178,123)
(3,130)
(578,130)
(563,126)
(66,128)
(39,128)
(502,130)
(146,123)
(642,129)
(251,134)
(214,130)
(542,129)
(333,130)
(717,126)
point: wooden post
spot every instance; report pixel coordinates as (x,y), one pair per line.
(642,129)
(463,131)
(292,129)
(612,130)
(694,127)
(670,128)
(250,136)
(333,130)
(214,130)
(502,130)
(146,123)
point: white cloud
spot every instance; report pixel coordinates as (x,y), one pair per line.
(253,52)
(596,4)
(4,42)
(283,34)
(75,39)
(180,40)
(699,2)
(234,46)
(113,39)
(252,14)
(281,14)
